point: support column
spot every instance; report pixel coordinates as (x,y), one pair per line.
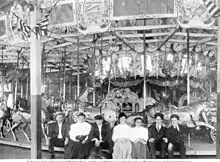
(35,80)
(218,93)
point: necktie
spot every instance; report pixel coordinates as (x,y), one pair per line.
(158,128)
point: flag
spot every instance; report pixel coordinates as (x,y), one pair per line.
(24,29)
(41,27)
(212,8)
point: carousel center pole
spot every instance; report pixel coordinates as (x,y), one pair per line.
(144,52)
(35,81)
(218,92)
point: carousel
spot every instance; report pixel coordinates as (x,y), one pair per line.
(98,57)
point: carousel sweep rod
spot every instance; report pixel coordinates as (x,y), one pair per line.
(168,37)
(2,74)
(121,39)
(144,53)
(35,86)
(78,79)
(218,92)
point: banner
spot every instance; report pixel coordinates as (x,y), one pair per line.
(139,9)
(196,13)
(93,15)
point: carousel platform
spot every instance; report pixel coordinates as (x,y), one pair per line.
(197,147)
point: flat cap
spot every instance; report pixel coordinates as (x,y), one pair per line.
(98,117)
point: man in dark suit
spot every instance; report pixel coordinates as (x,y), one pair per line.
(58,133)
(175,137)
(100,134)
(157,137)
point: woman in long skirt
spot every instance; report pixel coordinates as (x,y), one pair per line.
(122,139)
(139,138)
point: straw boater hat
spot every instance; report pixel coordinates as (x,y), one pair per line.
(59,113)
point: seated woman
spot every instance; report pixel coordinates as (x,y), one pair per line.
(139,139)
(122,139)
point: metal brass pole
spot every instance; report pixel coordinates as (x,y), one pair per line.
(188,68)
(2,74)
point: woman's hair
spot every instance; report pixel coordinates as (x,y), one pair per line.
(138,118)
(121,114)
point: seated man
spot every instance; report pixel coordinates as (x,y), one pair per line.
(157,137)
(58,133)
(175,137)
(100,134)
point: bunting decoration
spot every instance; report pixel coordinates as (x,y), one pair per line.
(41,27)
(212,8)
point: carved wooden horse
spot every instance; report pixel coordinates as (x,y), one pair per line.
(4,118)
(22,119)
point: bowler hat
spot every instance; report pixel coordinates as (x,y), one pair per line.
(98,117)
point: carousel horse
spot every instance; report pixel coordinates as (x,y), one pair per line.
(4,118)
(22,118)
(82,100)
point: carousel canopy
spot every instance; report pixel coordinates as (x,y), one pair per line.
(114,39)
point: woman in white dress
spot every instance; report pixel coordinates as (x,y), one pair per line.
(122,139)
(139,138)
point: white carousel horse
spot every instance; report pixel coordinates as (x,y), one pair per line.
(22,119)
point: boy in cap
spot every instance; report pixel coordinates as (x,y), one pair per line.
(58,133)
(175,137)
(157,137)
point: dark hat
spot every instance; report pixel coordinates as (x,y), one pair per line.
(98,117)
(81,114)
(59,113)
(174,116)
(158,114)
(121,114)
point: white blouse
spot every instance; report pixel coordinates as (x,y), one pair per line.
(139,132)
(79,129)
(121,131)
